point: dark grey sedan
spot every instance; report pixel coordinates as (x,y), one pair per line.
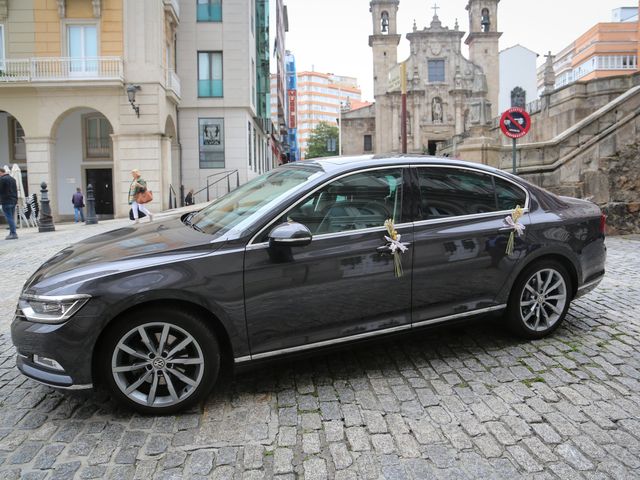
(299,259)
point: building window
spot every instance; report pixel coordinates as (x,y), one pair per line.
(436,70)
(82,48)
(97,139)
(249,142)
(209,11)
(211,141)
(367,143)
(210,74)
(2,48)
(18,152)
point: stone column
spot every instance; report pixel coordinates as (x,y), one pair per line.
(144,152)
(166,171)
(41,168)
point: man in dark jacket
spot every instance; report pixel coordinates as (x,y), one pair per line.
(78,204)
(8,200)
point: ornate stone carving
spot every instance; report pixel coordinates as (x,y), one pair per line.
(4,9)
(97,8)
(62,8)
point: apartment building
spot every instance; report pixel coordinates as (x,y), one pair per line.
(606,49)
(89,90)
(319,99)
(66,68)
(223,115)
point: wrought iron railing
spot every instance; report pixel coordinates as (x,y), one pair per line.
(213,186)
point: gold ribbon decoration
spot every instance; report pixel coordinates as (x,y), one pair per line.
(396,247)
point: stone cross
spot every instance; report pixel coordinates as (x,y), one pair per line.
(435,9)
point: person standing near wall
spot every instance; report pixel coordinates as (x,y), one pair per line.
(78,204)
(188,200)
(138,185)
(8,200)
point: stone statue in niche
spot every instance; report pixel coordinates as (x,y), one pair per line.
(518,97)
(436,110)
(385,22)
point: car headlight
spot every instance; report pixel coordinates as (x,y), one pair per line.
(51,309)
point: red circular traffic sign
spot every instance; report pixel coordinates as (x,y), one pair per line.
(515,122)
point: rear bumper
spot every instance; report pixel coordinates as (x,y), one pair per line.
(589,286)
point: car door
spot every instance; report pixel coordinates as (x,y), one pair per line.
(460,240)
(340,285)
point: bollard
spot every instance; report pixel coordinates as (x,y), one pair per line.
(91,218)
(45,220)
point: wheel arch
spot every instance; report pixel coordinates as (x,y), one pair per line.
(565,260)
(210,321)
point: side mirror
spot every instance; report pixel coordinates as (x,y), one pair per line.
(290,234)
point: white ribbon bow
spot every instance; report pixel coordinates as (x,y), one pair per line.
(396,244)
(516,226)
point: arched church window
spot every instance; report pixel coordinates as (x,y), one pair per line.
(485,22)
(384,22)
(518,97)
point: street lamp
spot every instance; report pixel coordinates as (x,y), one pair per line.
(131,94)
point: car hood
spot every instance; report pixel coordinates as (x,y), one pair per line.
(120,250)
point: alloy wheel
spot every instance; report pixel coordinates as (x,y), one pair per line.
(543,299)
(157,364)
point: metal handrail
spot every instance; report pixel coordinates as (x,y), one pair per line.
(226,176)
(172,197)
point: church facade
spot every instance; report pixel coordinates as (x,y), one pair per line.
(448,95)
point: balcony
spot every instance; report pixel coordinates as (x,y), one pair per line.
(61,69)
(172,83)
(172,7)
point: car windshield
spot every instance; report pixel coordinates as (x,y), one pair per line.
(231,214)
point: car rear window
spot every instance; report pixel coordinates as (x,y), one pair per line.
(452,192)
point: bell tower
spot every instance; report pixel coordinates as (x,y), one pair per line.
(384,41)
(483,41)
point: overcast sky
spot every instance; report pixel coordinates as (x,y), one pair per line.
(332,36)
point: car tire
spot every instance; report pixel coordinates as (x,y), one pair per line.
(159,361)
(539,299)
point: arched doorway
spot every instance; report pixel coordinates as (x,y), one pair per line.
(83,155)
(12,146)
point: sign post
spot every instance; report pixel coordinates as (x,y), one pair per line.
(515,123)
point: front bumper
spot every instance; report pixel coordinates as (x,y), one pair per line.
(70,344)
(50,377)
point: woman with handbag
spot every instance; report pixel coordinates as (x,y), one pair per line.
(139,195)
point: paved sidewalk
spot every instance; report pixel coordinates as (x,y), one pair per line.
(464,402)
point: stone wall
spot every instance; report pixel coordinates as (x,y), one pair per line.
(623,207)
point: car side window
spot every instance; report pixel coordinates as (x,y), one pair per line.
(357,201)
(509,195)
(451,192)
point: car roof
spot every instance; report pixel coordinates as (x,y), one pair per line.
(333,165)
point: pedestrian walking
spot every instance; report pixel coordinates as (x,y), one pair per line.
(138,186)
(188,200)
(8,200)
(78,204)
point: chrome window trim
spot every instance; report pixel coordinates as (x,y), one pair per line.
(346,233)
(473,216)
(306,197)
(475,170)
(359,336)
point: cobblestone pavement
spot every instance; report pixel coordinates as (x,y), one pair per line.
(456,402)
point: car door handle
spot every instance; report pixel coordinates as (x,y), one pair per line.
(505,229)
